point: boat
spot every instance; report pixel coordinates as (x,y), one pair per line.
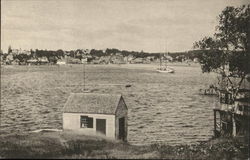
(164,68)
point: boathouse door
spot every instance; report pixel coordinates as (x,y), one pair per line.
(101,126)
(122,128)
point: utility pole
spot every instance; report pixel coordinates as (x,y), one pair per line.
(83,75)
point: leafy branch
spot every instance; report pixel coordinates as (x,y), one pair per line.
(227,53)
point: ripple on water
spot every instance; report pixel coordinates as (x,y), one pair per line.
(162,108)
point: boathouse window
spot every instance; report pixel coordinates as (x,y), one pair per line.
(230,98)
(223,98)
(86,122)
(240,108)
(226,98)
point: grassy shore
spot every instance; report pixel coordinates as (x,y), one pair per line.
(74,145)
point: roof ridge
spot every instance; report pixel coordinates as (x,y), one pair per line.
(92,102)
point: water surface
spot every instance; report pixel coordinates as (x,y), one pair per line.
(163,108)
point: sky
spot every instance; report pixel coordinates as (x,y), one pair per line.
(148,25)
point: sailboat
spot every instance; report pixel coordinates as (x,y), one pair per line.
(163,67)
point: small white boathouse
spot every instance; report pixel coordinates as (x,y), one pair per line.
(93,114)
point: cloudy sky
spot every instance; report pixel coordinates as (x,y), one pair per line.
(148,25)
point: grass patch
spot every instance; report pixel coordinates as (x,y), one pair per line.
(74,145)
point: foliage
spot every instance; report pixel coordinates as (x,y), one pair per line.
(22,57)
(97,53)
(9,50)
(227,52)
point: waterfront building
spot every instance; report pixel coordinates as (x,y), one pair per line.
(232,117)
(96,114)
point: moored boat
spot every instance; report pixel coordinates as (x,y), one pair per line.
(163,67)
(165,70)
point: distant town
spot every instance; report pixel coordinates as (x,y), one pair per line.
(92,56)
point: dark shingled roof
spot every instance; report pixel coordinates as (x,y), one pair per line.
(92,103)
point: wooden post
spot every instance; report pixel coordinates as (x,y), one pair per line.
(234,124)
(214,122)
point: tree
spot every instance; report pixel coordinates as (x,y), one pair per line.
(22,57)
(97,53)
(9,50)
(228,51)
(60,53)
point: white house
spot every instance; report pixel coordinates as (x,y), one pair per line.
(61,62)
(84,60)
(93,114)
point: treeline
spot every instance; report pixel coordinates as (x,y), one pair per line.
(54,55)
(111,51)
(186,55)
